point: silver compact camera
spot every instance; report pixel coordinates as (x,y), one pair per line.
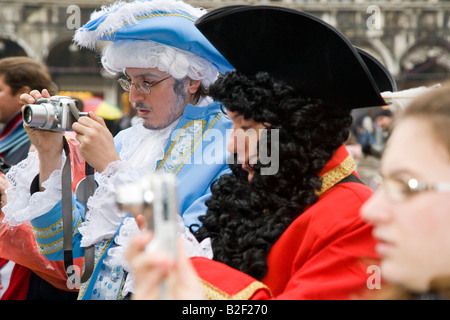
(56,113)
(154,197)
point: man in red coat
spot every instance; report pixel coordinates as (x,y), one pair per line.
(319,256)
(295,233)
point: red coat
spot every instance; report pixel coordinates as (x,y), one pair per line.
(321,255)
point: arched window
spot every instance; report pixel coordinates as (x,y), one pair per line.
(9,48)
(66,58)
(425,63)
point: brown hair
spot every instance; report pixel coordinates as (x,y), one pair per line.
(433,107)
(19,72)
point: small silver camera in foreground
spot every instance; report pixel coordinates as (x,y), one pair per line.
(56,113)
(154,197)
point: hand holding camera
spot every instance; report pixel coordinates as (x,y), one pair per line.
(158,260)
(47,143)
(46,118)
(154,197)
(57,113)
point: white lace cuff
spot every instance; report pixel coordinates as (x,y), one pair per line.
(103,217)
(116,255)
(21,206)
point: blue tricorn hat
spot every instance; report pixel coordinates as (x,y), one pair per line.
(299,49)
(169,22)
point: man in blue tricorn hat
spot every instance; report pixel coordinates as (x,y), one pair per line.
(167,65)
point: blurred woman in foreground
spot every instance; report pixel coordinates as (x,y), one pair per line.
(410,212)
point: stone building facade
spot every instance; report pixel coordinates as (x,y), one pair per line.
(411,38)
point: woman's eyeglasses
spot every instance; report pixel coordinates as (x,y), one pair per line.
(400,190)
(143,87)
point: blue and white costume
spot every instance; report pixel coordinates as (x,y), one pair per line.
(192,147)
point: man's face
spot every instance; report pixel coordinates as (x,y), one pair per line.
(9,103)
(166,101)
(243,141)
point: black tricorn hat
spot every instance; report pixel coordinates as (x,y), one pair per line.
(297,48)
(383,78)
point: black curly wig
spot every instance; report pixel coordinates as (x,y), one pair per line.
(244,219)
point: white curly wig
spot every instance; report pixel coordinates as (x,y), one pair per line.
(149,54)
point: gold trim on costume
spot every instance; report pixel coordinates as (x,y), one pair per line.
(198,141)
(196,136)
(343,170)
(150,16)
(165,15)
(51,226)
(177,139)
(46,228)
(53,230)
(213,293)
(84,285)
(49,248)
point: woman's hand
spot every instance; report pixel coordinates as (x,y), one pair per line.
(152,269)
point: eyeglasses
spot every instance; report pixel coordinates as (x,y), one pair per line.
(401,190)
(143,87)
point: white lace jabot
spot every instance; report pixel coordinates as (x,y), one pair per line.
(142,149)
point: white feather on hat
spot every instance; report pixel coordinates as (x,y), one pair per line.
(123,13)
(400,99)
